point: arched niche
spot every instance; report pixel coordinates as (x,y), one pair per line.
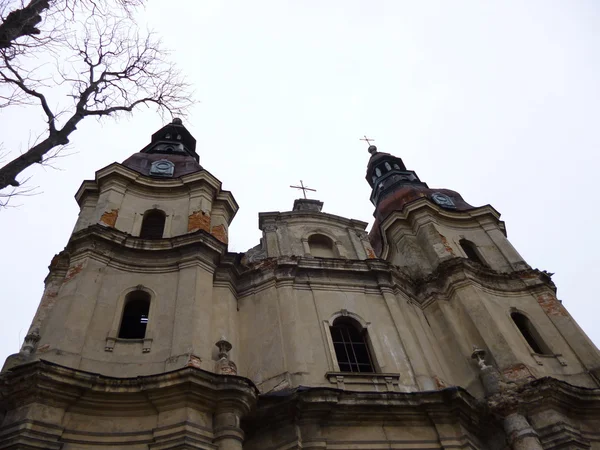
(321,246)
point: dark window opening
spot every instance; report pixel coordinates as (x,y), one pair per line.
(321,246)
(153,224)
(135,315)
(530,334)
(351,348)
(470,250)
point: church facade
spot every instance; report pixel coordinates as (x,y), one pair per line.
(428,332)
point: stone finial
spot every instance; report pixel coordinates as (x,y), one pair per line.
(30,342)
(224,365)
(224,347)
(479,355)
(489,375)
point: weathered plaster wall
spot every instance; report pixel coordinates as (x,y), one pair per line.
(423,236)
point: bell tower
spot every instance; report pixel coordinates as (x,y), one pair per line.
(474,285)
(443,227)
(132,297)
(152,227)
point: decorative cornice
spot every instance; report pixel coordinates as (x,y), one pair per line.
(380,275)
(334,405)
(544,393)
(170,254)
(80,391)
(266,218)
(128,252)
(129,179)
(457,272)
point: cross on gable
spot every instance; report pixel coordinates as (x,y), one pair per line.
(304,188)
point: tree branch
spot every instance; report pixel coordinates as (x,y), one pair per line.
(111,70)
(22,22)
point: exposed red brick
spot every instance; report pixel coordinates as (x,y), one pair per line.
(551,305)
(440,384)
(371,254)
(265,264)
(220,233)
(43,348)
(446,245)
(110,217)
(528,275)
(55,261)
(226,367)
(194,361)
(73,271)
(198,220)
(517,372)
(48,301)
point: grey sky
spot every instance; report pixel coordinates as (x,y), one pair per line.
(496,100)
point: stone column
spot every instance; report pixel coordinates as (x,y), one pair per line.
(412,363)
(58,270)
(270,237)
(512,256)
(227,431)
(340,249)
(366,246)
(356,237)
(520,434)
(433,244)
(306,247)
(109,203)
(414,368)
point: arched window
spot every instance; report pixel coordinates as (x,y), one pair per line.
(321,246)
(351,347)
(530,334)
(135,315)
(470,250)
(153,224)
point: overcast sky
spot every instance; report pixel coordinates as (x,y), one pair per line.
(496,100)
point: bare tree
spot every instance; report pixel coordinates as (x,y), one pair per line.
(103,64)
(20,20)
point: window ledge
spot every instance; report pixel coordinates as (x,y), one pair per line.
(538,357)
(375,381)
(111,341)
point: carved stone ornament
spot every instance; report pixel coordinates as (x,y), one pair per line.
(479,355)
(30,342)
(224,365)
(443,200)
(162,168)
(270,227)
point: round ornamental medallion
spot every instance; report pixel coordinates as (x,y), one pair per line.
(162,168)
(443,200)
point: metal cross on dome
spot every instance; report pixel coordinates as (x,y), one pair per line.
(304,188)
(368,140)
